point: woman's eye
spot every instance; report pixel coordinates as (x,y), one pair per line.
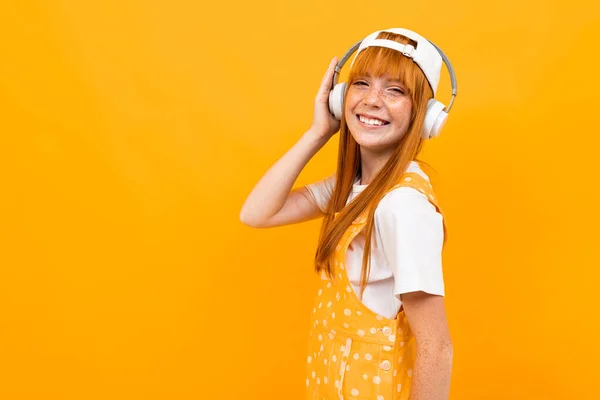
(360,83)
(398,90)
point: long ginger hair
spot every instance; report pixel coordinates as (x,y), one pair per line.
(376,61)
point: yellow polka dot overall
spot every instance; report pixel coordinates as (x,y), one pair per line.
(353,352)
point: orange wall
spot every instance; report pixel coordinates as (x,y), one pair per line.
(132,132)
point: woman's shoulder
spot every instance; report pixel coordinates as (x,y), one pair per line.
(415,167)
(321,191)
(323,186)
(405,212)
(408,198)
(404,200)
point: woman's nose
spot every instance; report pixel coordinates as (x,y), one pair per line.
(372,97)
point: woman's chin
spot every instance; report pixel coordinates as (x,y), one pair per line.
(375,143)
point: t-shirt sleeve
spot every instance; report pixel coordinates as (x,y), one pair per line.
(322,191)
(411,233)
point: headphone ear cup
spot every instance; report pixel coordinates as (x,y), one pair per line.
(336,100)
(435,119)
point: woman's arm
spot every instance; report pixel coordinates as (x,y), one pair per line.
(426,316)
(270,202)
(412,234)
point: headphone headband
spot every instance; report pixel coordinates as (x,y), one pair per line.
(407,50)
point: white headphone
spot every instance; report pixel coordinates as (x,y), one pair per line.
(426,55)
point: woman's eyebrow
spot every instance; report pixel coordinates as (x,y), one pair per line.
(396,81)
(368,75)
(388,80)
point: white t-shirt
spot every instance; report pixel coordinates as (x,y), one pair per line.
(406,247)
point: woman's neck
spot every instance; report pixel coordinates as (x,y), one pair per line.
(370,164)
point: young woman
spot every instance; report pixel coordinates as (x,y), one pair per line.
(379,328)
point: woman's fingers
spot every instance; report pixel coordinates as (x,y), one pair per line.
(326,82)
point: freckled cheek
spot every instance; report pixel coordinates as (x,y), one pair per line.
(402,113)
(350,103)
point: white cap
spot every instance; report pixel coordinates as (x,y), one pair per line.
(425,55)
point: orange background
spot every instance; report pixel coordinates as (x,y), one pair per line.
(132,132)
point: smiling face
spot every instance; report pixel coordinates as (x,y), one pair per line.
(378,111)
(383,111)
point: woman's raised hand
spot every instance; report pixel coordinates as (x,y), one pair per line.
(324,124)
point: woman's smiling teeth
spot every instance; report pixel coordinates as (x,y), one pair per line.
(371,121)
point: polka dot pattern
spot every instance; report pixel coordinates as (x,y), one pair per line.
(354,353)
